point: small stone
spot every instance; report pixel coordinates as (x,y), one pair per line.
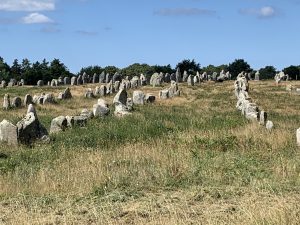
(269,125)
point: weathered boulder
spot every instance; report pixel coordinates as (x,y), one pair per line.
(117,85)
(101,108)
(8,133)
(16,102)
(6,102)
(29,129)
(54,83)
(173,89)
(138,98)
(58,124)
(135,82)
(3,84)
(102,90)
(28,100)
(120,102)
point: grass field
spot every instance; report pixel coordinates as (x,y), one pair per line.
(192,159)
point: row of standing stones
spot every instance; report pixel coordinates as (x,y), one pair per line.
(249,109)
(29,129)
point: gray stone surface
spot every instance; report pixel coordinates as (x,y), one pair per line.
(28,100)
(138,98)
(16,102)
(8,133)
(58,124)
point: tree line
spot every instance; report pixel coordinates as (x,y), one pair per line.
(46,71)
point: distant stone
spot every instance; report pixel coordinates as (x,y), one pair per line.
(102,77)
(67,81)
(58,124)
(190,80)
(102,90)
(95,78)
(107,78)
(173,89)
(164,94)
(3,84)
(74,81)
(257,76)
(135,82)
(116,77)
(16,102)
(117,85)
(178,75)
(8,133)
(48,99)
(185,76)
(6,102)
(269,125)
(54,83)
(89,94)
(40,83)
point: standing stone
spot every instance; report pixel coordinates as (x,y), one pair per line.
(167,78)
(67,81)
(79,80)
(60,81)
(6,102)
(8,133)
(30,129)
(102,91)
(298,136)
(263,118)
(16,102)
(120,102)
(257,76)
(214,76)
(173,77)
(143,80)
(40,83)
(190,80)
(28,100)
(97,91)
(174,90)
(74,81)
(185,76)
(107,78)
(54,83)
(138,98)
(58,124)
(67,93)
(87,114)
(116,77)
(135,82)
(196,79)
(269,125)
(95,78)
(3,84)
(84,78)
(117,85)
(102,77)
(178,75)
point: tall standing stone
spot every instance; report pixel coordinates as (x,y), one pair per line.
(190,80)
(95,78)
(178,75)
(185,76)
(74,81)
(28,100)
(6,102)
(67,81)
(16,102)
(102,77)
(263,118)
(257,76)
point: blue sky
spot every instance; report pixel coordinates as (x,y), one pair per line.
(122,32)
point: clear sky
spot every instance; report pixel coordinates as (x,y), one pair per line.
(122,32)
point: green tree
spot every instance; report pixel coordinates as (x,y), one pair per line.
(189,66)
(292,71)
(91,70)
(210,69)
(15,70)
(111,69)
(4,70)
(267,72)
(163,69)
(238,66)
(137,69)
